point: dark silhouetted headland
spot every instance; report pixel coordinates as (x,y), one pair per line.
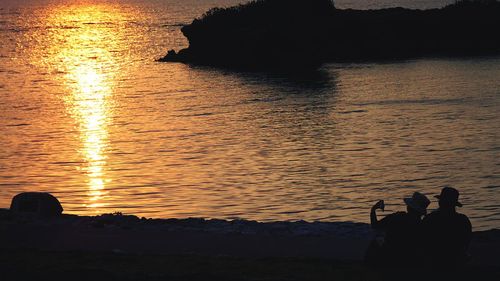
(260,34)
(298,34)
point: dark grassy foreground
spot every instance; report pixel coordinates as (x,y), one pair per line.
(36,265)
(302,34)
(125,247)
(39,265)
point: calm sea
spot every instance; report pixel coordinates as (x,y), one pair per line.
(87,114)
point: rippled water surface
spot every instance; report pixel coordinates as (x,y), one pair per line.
(87,114)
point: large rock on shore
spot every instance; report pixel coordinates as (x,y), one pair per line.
(37,204)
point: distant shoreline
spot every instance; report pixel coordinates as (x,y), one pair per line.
(299,34)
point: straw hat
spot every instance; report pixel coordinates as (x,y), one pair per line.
(418,202)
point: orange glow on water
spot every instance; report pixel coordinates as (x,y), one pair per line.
(89,108)
(86,62)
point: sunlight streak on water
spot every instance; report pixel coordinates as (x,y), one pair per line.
(90,71)
(89,108)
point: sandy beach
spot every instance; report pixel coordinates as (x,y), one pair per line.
(118,246)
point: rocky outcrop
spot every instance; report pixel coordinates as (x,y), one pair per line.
(259,35)
(35,204)
(301,34)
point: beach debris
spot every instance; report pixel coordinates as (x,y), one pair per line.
(36,204)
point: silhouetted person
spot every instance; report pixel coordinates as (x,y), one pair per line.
(402,241)
(447,233)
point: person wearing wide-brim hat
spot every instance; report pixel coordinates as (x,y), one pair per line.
(401,240)
(449,197)
(447,233)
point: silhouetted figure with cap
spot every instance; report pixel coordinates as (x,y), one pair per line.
(402,241)
(447,233)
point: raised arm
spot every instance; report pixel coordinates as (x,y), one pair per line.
(373,214)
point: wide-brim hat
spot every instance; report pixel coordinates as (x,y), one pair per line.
(449,194)
(418,202)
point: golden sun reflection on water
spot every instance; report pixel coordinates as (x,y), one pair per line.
(89,70)
(89,108)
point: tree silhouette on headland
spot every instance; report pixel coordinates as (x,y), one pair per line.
(301,34)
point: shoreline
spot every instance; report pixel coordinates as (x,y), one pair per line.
(123,247)
(212,237)
(116,233)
